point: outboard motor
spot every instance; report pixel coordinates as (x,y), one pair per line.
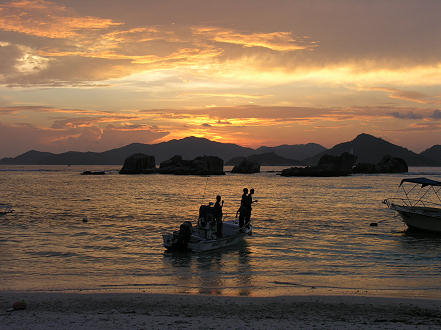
(206,215)
(185,231)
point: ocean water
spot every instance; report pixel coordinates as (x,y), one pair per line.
(311,235)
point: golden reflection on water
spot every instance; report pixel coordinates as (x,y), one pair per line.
(311,236)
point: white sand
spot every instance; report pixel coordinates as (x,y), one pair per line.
(146,311)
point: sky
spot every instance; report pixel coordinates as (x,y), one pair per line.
(94,75)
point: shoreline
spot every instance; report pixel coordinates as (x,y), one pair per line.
(146,310)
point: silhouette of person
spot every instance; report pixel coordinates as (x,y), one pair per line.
(243,208)
(217,210)
(249,202)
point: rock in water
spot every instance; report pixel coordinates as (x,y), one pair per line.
(342,163)
(391,165)
(387,164)
(139,164)
(203,165)
(93,173)
(246,166)
(328,166)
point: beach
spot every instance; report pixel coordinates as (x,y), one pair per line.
(146,311)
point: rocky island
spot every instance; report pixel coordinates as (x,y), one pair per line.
(345,164)
(144,164)
(202,165)
(139,164)
(246,166)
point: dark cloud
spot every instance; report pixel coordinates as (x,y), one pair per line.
(409,115)
(436,114)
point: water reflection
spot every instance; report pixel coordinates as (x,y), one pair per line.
(244,271)
(215,273)
(421,242)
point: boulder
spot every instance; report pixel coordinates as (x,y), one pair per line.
(246,166)
(93,173)
(387,164)
(328,166)
(391,164)
(139,164)
(342,163)
(202,165)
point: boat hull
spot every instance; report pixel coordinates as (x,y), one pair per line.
(420,218)
(208,245)
(233,235)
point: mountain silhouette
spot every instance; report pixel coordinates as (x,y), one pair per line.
(266,159)
(188,148)
(296,152)
(370,149)
(433,153)
(367,148)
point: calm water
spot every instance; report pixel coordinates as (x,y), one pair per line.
(311,235)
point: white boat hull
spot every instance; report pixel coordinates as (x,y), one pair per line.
(199,242)
(421,218)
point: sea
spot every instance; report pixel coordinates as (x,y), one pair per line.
(311,236)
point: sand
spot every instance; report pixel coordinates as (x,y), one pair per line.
(160,311)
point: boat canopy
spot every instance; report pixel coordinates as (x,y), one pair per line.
(422,181)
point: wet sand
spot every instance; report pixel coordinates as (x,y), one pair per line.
(146,311)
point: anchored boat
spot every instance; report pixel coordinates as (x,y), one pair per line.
(204,236)
(420,207)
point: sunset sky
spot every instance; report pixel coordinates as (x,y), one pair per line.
(95,75)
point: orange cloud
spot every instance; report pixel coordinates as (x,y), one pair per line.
(410,96)
(251,125)
(47,19)
(277,41)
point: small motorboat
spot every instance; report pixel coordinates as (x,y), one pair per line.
(5,209)
(204,236)
(420,208)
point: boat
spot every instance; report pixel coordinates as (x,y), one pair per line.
(5,209)
(203,236)
(420,207)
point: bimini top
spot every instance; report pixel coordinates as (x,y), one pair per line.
(422,181)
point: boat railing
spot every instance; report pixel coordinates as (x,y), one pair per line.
(411,202)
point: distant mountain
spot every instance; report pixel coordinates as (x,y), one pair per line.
(34,157)
(188,148)
(370,149)
(296,152)
(268,159)
(433,153)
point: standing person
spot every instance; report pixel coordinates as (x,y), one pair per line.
(243,208)
(249,202)
(217,210)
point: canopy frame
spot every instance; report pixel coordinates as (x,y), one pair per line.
(434,186)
